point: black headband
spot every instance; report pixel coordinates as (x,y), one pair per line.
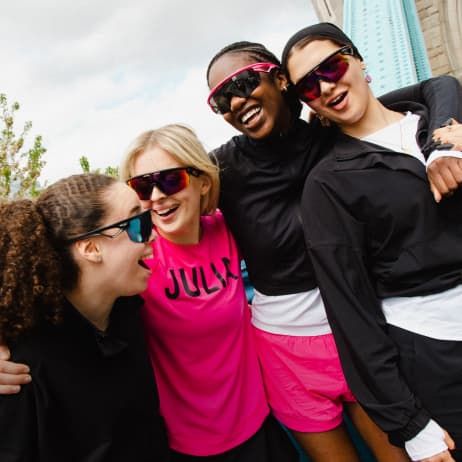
(323,29)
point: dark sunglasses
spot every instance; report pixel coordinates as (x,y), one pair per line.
(169,181)
(241,83)
(331,70)
(138,228)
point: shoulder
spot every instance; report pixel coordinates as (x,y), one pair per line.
(34,346)
(213,223)
(216,229)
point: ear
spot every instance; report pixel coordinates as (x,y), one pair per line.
(281,81)
(206,184)
(89,250)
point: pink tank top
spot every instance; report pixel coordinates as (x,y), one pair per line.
(197,325)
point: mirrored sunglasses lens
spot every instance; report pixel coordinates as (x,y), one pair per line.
(171,182)
(142,186)
(333,69)
(241,85)
(308,89)
(139,228)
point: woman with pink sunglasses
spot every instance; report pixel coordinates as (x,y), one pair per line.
(386,256)
(262,176)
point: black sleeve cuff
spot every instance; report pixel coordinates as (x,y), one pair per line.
(415,425)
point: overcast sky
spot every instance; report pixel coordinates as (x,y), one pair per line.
(93,74)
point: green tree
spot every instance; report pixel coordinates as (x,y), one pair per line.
(85,165)
(20,168)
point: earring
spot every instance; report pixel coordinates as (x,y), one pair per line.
(368,78)
(284,88)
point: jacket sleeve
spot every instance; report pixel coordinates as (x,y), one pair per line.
(336,242)
(18,442)
(442,95)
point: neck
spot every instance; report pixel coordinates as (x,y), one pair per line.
(91,303)
(376,117)
(191,237)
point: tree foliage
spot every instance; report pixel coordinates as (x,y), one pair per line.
(20,168)
(85,165)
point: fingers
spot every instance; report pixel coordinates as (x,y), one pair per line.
(450,134)
(444,176)
(12,376)
(444,456)
(436,194)
(4,353)
(448,440)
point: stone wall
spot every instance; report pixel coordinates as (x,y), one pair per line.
(441,22)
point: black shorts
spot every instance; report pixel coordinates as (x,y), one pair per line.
(433,371)
(270,444)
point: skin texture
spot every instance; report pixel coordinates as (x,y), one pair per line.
(182,226)
(358,114)
(274,115)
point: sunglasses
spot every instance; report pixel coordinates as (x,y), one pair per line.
(169,181)
(331,70)
(241,83)
(138,228)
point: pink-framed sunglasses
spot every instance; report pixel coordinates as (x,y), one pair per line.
(240,83)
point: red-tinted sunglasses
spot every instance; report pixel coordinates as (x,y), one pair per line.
(240,83)
(169,181)
(331,70)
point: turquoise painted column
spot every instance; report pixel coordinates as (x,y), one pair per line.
(388,36)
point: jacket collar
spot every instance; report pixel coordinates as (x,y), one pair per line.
(350,152)
(108,343)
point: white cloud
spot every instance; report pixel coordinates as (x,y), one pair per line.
(91,75)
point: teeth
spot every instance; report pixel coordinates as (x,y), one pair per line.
(163,214)
(336,100)
(249,114)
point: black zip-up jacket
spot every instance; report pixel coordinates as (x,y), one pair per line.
(262,182)
(374,231)
(93,396)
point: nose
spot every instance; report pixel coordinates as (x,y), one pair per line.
(157,194)
(237,102)
(326,87)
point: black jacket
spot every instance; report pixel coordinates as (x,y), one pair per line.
(262,182)
(374,231)
(92,398)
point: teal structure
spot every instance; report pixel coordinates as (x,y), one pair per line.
(388,36)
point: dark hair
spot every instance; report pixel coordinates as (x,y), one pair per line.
(259,53)
(35,258)
(320,31)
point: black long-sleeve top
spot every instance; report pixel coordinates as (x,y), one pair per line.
(93,396)
(262,183)
(374,231)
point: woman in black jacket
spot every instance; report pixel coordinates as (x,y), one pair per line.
(71,266)
(387,257)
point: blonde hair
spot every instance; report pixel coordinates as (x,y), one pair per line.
(183,145)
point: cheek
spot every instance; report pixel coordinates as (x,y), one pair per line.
(146,205)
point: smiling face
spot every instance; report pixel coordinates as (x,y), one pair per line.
(122,269)
(265,111)
(177,216)
(345,102)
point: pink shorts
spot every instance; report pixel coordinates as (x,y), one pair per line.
(304,380)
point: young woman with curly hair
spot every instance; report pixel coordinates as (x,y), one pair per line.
(71,266)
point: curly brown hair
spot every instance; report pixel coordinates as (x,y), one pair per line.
(35,258)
